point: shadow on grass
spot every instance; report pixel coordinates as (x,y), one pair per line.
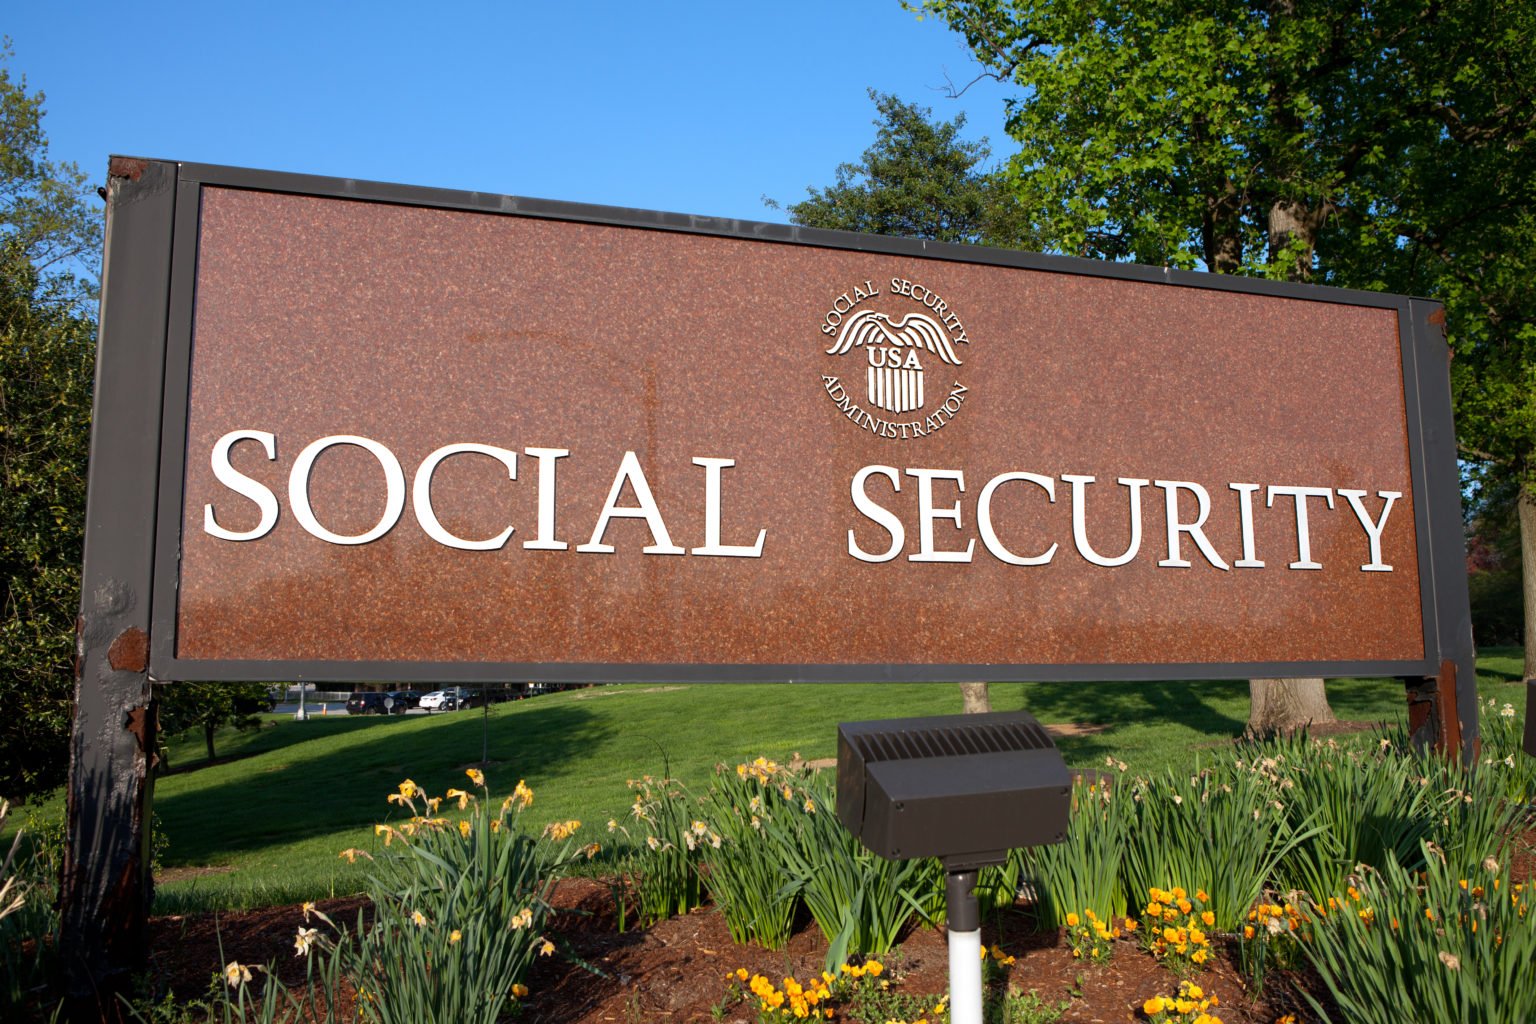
(326,777)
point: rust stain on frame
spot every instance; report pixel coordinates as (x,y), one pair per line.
(676,397)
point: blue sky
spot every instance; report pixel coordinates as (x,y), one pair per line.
(690,107)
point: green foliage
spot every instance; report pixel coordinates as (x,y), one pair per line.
(860,901)
(47,214)
(1452,946)
(663,869)
(1213,830)
(747,878)
(47,355)
(1086,871)
(48,232)
(209,707)
(919,179)
(459,909)
(29,963)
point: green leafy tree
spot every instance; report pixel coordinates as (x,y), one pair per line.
(1377,144)
(209,707)
(50,239)
(46,362)
(919,179)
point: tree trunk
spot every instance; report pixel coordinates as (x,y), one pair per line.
(975,700)
(208,730)
(1527,507)
(1286,705)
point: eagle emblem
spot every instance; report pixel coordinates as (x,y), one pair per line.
(895,371)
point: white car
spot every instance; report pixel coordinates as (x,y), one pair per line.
(440,700)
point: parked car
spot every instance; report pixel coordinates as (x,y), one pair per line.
(439,700)
(410,698)
(452,698)
(373,703)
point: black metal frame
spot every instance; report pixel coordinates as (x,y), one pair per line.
(1426,395)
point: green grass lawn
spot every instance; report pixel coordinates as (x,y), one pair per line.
(272,818)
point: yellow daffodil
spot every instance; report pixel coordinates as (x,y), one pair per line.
(476,776)
(236,974)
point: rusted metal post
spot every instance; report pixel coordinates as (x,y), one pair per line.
(105,890)
(1442,710)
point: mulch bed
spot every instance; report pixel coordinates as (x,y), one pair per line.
(675,971)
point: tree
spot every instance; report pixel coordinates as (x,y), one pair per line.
(46,362)
(920,179)
(49,237)
(210,707)
(1374,144)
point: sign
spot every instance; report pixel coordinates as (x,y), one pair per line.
(415,434)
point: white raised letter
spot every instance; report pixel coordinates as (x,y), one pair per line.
(712,545)
(883,516)
(421,496)
(926,514)
(630,470)
(984,517)
(545,540)
(241,484)
(1245,516)
(1080,520)
(298,489)
(1171,490)
(1303,537)
(1373,530)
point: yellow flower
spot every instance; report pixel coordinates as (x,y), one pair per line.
(522,919)
(519,991)
(454,936)
(562,830)
(1209,918)
(459,795)
(352,853)
(418,919)
(1152,1006)
(522,795)
(476,776)
(547,948)
(306,908)
(236,974)
(464,828)
(409,789)
(1072,920)
(874,967)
